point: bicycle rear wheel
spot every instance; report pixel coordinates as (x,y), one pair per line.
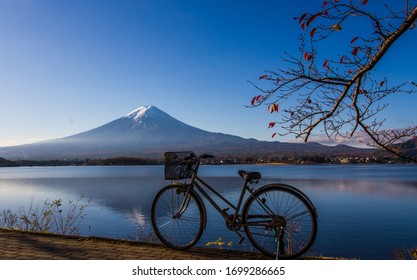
(178,217)
(279,220)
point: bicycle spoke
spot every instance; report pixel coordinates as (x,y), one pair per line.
(286,210)
(278,219)
(298,215)
(177,217)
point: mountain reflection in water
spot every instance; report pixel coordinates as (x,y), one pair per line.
(365,211)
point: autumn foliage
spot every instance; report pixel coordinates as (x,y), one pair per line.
(341,94)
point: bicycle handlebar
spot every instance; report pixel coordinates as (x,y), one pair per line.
(202,156)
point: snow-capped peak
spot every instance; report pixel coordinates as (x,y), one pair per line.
(138,113)
(151,116)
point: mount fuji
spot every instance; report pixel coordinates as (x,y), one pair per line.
(149,132)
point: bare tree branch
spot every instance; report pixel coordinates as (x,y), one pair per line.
(341,94)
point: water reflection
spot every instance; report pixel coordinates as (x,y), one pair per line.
(138,217)
(364,211)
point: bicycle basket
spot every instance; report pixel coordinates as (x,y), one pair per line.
(177,167)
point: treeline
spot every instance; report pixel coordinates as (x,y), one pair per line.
(6,163)
(123,161)
(84,162)
(312,159)
(219,160)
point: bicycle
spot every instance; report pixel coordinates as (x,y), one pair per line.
(278,219)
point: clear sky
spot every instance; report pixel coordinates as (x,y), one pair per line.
(71,65)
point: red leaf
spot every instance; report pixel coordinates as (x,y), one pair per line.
(381,83)
(365,2)
(273,108)
(353,40)
(325,63)
(341,59)
(355,51)
(256,99)
(302,17)
(271,124)
(309,101)
(313,17)
(303,26)
(263,77)
(278,80)
(273,135)
(324,4)
(308,56)
(336,1)
(313,31)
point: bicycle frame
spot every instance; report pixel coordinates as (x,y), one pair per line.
(277,218)
(200,184)
(196,181)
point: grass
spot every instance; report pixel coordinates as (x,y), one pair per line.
(50,217)
(219,243)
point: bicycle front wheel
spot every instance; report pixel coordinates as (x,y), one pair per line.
(279,220)
(178,217)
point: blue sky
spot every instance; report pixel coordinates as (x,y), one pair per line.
(70,66)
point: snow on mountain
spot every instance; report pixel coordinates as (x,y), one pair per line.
(149,132)
(150,116)
(145,126)
(146,131)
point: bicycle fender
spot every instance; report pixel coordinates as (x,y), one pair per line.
(293,189)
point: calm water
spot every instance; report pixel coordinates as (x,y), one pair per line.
(365,211)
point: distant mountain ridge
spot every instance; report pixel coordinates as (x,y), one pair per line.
(5,162)
(149,132)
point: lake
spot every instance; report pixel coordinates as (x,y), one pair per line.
(365,211)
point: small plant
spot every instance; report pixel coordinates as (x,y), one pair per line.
(406,254)
(219,243)
(52,217)
(8,219)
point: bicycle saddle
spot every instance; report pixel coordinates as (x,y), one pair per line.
(249,175)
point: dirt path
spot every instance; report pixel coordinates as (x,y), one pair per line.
(18,245)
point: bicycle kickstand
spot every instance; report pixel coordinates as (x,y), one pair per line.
(279,232)
(240,236)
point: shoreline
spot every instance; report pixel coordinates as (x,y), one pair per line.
(24,245)
(80,164)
